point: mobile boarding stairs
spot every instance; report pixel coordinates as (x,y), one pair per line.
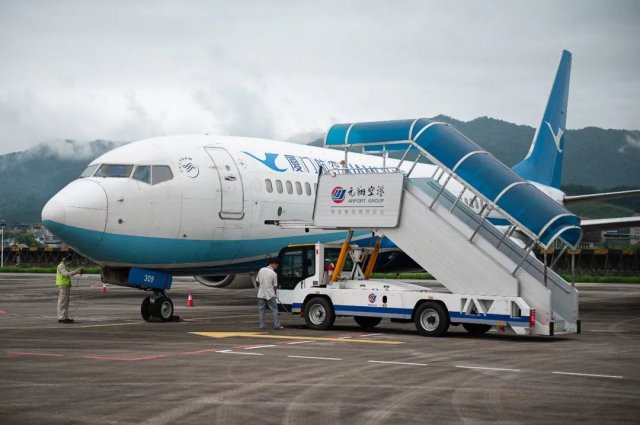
(459,245)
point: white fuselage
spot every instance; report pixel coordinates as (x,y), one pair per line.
(210,212)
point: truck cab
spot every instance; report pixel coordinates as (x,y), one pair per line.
(309,265)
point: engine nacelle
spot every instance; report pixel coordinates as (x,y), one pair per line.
(230,281)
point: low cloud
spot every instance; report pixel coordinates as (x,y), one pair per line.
(73,149)
(630,143)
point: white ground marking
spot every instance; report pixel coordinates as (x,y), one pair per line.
(314,358)
(298,342)
(400,363)
(363,336)
(255,347)
(592,375)
(489,368)
(238,352)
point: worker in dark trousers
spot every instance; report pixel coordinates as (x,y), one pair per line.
(63,281)
(267,286)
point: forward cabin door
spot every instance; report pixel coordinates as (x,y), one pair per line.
(231,192)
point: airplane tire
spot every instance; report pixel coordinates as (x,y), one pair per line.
(476,328)
(431,319)
(367,322)
(318,314)
(163,308)
(145,308)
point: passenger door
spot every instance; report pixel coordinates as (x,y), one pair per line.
(231,191)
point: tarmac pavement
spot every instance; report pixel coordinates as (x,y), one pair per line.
(214,366)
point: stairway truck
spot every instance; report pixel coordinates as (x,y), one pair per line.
(307,290)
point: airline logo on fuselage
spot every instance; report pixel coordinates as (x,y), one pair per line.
(269,160)
(304,164)
(188,166)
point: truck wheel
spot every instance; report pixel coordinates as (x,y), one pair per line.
(367,322)
(476,328)
(318,314)
(431,319)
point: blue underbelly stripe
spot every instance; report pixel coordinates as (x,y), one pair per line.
(138,250)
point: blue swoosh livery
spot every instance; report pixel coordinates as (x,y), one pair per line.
(269,161)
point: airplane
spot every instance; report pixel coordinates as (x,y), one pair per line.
(203,205)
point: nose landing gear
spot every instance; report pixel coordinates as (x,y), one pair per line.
(158,306)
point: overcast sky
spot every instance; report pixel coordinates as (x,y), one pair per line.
(133,69)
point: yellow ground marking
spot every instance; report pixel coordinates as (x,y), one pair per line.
(262,335)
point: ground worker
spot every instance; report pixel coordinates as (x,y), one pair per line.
(267,280)
(63,281)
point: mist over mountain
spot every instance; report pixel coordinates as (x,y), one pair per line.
(595,157)
(29,178)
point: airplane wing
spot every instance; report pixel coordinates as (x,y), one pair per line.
(599,196)
(596,225)
(601,224)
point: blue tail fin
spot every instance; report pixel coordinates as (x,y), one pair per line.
(543,163)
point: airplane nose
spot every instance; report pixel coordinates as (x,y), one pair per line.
(54,211)
(77,214)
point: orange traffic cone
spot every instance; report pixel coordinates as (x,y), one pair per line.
(190,300)
(104,288)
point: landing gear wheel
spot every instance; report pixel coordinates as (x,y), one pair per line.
(476,328)
(145,308)
(318,314)
(431,319)
(367,322)
(163,308)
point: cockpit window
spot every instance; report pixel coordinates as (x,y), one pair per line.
(160,173)
(88,172)
(142,173)
(114,170)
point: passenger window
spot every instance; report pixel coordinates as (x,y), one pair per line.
(88,172)
(269,185)
(142,173)
(298,188)
(307,188)
(160,173)
(114,170)
(279,186)
(289,187)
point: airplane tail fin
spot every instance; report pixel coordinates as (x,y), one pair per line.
(543,163)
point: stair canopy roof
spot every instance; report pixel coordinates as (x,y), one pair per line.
(522,203)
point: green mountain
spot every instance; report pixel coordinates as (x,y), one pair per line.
(28,179)
(593,156)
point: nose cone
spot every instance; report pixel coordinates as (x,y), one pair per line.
(77,214)
(54,211)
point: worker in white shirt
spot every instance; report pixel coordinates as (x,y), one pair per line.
(267,286)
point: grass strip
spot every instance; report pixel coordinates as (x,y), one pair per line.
(18,269)
(405,275)
(567,277)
